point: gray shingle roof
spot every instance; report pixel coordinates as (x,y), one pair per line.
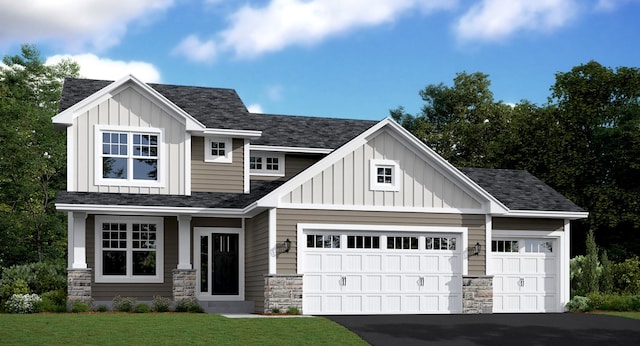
(259,189)
(520,190)
(223,109)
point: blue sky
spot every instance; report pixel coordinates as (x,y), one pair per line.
(338,58)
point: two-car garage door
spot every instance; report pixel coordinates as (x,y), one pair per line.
(381,273)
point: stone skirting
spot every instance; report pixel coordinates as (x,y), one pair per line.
(184,283)
(477,294)
(78,284)
(282,292)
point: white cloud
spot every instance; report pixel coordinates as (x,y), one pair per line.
(195,49)
(610,5)
(74,23)
(94,67)
(255,108)
(255,30)
(494,20)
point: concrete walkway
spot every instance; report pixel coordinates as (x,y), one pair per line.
(494,329)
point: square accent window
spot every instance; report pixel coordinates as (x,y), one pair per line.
(384,175)
(128,157)
(129,249)
(266,163)
(218,150)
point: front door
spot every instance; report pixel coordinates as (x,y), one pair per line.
(218,263)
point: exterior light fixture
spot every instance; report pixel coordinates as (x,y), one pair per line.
(476,249)
(285,246)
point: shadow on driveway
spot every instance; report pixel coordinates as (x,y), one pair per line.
(493,329)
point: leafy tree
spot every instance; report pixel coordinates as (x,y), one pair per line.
(32,158)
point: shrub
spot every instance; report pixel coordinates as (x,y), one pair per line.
(590,269)
(18,286)
(102,308)
(53,301)
(635,303)
(606,276)
(80,306)
(579,303)
(611,302)
(293,310)
(190,304)
(124,304)
(58,297)
(142,308)
(627,276)
(276,310)
(22,303)
(40,277)
(160,304)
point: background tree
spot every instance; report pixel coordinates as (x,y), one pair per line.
(32,158)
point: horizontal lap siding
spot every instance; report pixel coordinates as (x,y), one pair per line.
(288,219)
(256,258)
(141,291)
(523,224)
(217,177)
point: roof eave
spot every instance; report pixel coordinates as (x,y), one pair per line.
(153,210)
(571,215)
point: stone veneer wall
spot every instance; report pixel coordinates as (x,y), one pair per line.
(477,294)
(78,284)
(282,291)
(184,283)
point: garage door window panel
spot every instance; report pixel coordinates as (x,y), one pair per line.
(363,242)
(402,243)
(323,241)
(440,243)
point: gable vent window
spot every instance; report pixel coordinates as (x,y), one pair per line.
(384,175)
(265,163)
(218,150)
(128,157)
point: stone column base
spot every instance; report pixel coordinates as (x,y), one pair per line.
(477,294)
(184,283)
(79,284)
(282,291)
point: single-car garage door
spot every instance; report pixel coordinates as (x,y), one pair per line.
(381,273)
(525,275)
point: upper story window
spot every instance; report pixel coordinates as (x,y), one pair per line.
(384,175)
(218,150)
(266,163)
(128,157)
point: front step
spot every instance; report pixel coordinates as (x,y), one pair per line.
(228,307)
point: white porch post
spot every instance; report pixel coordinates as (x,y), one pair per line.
(565,270)
(184,242)
(77,230)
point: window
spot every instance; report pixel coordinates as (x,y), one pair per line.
(218,150)
(128,157)
(384,175)
(323,241)
(402,243)
(363,242)
(129,249)
(538,246)
(265,163)
(440,243)
(504,246)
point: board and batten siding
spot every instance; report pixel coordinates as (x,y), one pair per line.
(525,224)
(256,258)
(214,176)
(293,164)
(105,292)
(288,220)
(128,108)
(346,182)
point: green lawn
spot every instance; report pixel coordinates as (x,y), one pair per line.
(628,314)
(169,329)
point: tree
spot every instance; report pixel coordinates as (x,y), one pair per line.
(590,269)
(32,158)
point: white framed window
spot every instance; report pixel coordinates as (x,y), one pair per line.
(218,150)
(402,243)
(266,163)
(128,156)
(384,175)
(129,249)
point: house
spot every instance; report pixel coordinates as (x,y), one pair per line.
(179,191)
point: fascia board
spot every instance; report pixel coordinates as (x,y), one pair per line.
(249,134)
(151,210)
(303,150)
(546,214)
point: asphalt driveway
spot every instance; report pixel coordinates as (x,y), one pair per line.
(494,329)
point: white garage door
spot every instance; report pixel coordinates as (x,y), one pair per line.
(376,273)
(525,275)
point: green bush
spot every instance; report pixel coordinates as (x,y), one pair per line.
(22,303)
(160,304)
(124,304)
(142,308)
(611,302)
(53,301)
(40,277)
(190,304)
(627,276)
(579,303)
(635,303)
(102,308)
(80,306)
(275,310)
(293,310)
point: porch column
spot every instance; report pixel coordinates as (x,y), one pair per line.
(184,242)
(77,230)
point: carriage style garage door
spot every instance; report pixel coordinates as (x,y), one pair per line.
(381,273)
(525,275)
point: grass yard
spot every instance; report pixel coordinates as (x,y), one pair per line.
(628,314)
(169,329)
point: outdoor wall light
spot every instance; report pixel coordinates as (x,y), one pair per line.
(285,246)
(476,249)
